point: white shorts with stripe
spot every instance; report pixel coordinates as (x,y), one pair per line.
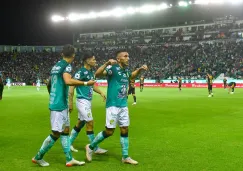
(84,110)
(117,116)
(59,120)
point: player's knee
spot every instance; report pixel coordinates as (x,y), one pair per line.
(80,124)
(66,130)
(56,134)
(89,125)
(108,132)
(124,130)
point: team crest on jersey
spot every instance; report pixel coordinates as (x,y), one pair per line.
(69,69)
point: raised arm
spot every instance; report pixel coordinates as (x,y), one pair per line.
(101,70)
(137,71)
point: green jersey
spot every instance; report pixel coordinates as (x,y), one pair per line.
(118,79)
(84,92)
(59,90)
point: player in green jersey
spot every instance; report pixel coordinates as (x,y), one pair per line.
(83,102)
(58,105)
(118,76)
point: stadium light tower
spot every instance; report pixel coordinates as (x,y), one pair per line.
(57,18)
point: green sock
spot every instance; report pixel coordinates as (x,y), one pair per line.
(125,145)
(91,137)
(98,139)
(46,146)
(65,141)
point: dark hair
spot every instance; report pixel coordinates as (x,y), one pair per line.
(120,51)
(68,51)
(87,56)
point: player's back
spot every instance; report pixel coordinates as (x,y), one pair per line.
(59,90)
(210,79)
(118,79)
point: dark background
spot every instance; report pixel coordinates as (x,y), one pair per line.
(29,22)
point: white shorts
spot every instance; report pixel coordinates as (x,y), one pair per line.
(84,110)
(37,85)
(117,115)
(59,120)
(8,84)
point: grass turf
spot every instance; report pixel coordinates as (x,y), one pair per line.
(169,130)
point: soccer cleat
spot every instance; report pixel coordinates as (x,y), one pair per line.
(232,93)
(209,95)
(41,162)
(74,162)
(89,153)
(134,103)
(100,151)
(73,149)
(129,160)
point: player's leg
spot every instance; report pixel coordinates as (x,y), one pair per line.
(65,141)
(211,90)
(124,121)
(134,97)
(75,131)
(1,91)
(56,124)
(111,121)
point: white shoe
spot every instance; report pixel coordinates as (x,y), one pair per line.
(41,162)
(209,96)
(74,162)
(100,151)
(73,149)
(129,160)
(134,103)
(232,93)
(89,153)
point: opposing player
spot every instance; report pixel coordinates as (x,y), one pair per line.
(231,87)
(118,76)
(1,85)
(38,84)
(141,83)
(131,91)
(8,82)
(179,83)
(58,105)
(83,102)
(210,85)
(225,83)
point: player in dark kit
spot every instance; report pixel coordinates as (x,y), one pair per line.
(179,83)
(210,85)
(225,83)
(231,87)
(141,83)
(131,90)
(1,85)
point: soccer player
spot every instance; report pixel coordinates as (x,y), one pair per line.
(210,85)
(118,76)
(141,83)
(231,87)
(83,102)
(58,105)
(225,83)
(8,82)
(179,83)
(38,84)
(1,85)
(131,90)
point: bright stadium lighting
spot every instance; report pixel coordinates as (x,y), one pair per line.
(118,12)
(171,5)
(190,2)
(162,6)
(74,17)
(147,8)
(131,10)
(202,2)
(183,4)
(235,2)
(104,14)
(57,18)
(92,15)
(217,1)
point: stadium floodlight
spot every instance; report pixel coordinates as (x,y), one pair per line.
(235,2)
(92,15)
(162,6)
(183,4)
(147,8)
(171,5)
(104,14)
(202,2)
(118,12)
(57,18)
(131,10)
(190,2)
(74,17)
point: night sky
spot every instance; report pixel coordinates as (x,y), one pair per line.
(28,22)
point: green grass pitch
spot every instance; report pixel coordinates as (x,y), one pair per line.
(170,130)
